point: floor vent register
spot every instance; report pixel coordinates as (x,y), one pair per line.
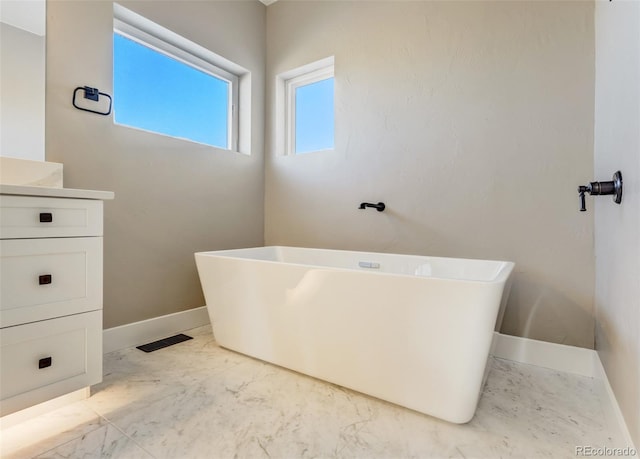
(165,342)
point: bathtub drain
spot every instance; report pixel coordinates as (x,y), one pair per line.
(369,264)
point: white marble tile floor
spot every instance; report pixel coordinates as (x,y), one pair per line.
(197,400)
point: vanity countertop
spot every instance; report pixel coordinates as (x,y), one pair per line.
(49,192)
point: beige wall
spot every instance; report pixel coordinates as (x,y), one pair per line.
(22,93)
(473,121)
(173,197)
(617,235)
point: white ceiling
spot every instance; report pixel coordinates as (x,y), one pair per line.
(27,15)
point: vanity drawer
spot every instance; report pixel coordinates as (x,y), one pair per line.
(43,360)
(33,217)
(46,278)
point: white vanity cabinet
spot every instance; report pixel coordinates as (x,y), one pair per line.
(50,293)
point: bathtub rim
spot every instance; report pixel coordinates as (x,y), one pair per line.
(503,274)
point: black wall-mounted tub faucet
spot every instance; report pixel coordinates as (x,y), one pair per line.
(612,187)
(379,207)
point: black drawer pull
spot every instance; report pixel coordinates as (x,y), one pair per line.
(46,217)
(45,279)
(44,363)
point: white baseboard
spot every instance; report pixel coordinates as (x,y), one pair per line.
(561,357)
(149,330)
(570,359)
(612,409)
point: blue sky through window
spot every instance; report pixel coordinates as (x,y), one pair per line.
(157,93)
(314,116)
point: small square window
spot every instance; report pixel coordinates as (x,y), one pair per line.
(308,108)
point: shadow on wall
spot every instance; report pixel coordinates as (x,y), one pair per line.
(538,311)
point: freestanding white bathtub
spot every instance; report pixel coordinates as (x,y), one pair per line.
(412,330)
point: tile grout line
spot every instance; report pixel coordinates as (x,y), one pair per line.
(131,438)
(115,426)
(76,438)
(79,437)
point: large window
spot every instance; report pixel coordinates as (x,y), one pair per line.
(307,108)
(161,86)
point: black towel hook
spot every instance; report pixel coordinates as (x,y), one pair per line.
(94,95)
